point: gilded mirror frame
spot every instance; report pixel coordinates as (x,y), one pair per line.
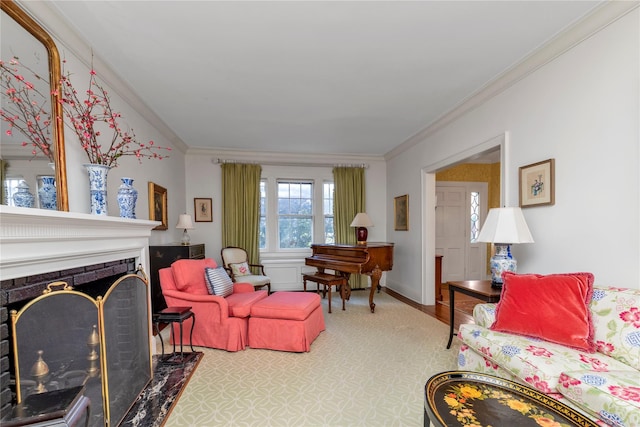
(57,127)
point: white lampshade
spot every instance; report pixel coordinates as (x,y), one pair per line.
(185,222)
(362,220)
(505,225)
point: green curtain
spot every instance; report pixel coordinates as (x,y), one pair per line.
(241,207)
(348,200)
(3,165)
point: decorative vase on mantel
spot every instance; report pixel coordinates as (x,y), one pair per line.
(127,197)
(47,193)
(98,187)
(23,197)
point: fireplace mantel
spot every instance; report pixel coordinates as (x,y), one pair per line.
(37,241)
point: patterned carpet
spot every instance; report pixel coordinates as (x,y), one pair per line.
(364,370)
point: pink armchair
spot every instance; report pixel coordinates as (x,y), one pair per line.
(219,322)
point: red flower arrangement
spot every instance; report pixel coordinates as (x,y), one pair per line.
(93,114)
(24,109)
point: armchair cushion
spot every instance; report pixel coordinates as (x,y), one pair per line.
(240,269)
(189,277)
(218,281)
(554,308)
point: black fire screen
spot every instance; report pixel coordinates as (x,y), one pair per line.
(66,338)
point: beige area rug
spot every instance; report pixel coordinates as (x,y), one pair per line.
(364,370)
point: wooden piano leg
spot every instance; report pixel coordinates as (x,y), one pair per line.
(376,274)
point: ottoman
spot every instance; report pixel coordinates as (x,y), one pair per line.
(286,321)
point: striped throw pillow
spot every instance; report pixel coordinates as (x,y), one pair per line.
(218,281)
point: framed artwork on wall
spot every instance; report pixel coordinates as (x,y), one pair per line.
(401,213)
(537,184)
(202,207)
(158,205)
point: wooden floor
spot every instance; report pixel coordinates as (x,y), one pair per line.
(441,310)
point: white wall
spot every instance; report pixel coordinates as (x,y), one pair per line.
(168,173)
(203,179)
(582,109)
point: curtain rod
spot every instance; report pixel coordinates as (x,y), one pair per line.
(276,163)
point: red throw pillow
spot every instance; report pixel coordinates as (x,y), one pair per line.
(554,308)
(189,275)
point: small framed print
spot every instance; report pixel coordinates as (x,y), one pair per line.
(537,184)
(203,209)
(401,213)
(158,205)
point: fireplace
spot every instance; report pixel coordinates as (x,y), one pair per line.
(38,247)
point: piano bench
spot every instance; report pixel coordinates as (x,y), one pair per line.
(328,280)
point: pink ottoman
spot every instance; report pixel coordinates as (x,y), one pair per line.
(286,321)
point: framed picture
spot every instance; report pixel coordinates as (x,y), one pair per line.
(401,213)
(537,184)
(158,205)
(202,209)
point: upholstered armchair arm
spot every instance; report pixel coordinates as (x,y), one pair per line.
(259,267)
(484,314)
(214,306)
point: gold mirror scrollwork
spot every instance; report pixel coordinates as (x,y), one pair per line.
(23,19)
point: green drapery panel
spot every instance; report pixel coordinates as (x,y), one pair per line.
(348,200)
(241,207)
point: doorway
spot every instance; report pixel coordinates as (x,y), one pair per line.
(493,150)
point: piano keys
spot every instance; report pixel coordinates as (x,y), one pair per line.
(370,259)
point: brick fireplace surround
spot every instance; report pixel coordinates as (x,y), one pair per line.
(38,247)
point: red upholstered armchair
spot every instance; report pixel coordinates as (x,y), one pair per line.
(220,322)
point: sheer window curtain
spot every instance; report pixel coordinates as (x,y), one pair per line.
(241,207)
(348,200)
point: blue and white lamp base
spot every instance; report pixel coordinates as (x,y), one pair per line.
(500,262)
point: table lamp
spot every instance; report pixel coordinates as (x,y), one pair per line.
(184,222)
(503,227)
(362,221)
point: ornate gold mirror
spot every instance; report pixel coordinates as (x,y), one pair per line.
(24,38)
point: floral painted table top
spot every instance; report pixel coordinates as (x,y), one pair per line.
(470,399)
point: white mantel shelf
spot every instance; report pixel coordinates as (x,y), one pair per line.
(36,241)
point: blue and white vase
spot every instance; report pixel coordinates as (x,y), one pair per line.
(127,197)
(23,197)
(47,193)
(98,187)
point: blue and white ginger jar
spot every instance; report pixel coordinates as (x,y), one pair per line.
(127,197)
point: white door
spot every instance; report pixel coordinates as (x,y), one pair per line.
(462,259)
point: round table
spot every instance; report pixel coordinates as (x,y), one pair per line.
(458,398)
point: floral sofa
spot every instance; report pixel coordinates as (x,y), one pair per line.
(602,383)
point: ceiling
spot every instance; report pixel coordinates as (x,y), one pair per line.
(333,77)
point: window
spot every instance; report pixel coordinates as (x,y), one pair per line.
(327,209)
(296,209)
(295,214)
(475,216)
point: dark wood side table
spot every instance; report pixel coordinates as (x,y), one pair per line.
(173,315)
(480,289)
(438,278)
(460,398)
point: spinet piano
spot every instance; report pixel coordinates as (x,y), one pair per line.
(370,259)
